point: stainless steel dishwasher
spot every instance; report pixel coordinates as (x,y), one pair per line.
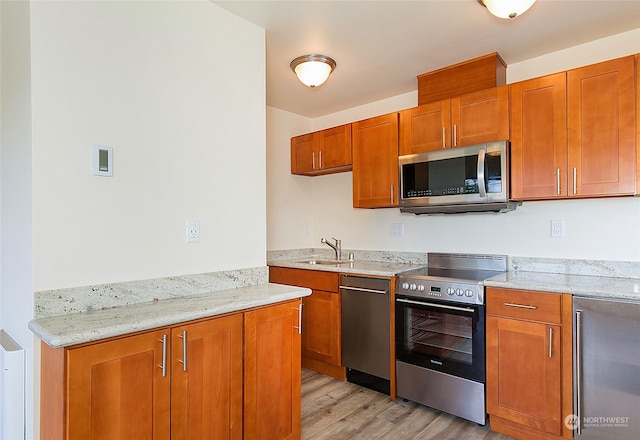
(365,318)
(606,369)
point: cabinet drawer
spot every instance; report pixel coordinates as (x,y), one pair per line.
(524,304)
(312,279)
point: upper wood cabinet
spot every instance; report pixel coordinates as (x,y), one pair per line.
(322,152)
(375,162)
(573,133)
(539,138)
(480,116)
(465,120)
(638,123)
(601,118)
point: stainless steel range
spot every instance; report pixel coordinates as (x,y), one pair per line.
(440,333)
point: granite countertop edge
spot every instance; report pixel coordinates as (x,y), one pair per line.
(358,267)
(577,285)
(79,328)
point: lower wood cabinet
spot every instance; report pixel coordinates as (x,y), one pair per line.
(321,318)
(181,382)
(529,372)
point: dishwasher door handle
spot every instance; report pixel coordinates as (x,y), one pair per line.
(362,289)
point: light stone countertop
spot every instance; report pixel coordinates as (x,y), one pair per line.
(579,285)
(77,328)
(359,267)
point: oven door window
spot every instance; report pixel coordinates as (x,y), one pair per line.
(447,340)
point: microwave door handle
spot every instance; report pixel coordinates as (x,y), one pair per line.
(481,183)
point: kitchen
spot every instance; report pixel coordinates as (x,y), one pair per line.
(158,204)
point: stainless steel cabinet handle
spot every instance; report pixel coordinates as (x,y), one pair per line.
(520,306)
(575,180)
(299,326)
(362,289)
(183,336)
(320,153)
(558,180)
(313,160)
(578,371)
(455,135)
(550,342)
(444,133)
(163,367)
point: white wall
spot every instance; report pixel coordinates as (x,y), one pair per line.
(177,89)
(607,229)
(16,288)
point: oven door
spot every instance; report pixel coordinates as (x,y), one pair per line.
(441,336)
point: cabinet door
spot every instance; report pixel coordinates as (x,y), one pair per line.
(206,388)
(117,390)
(539,138)
(321,327)
(523,373)
(272,373)
(480,116)
(303,150)
(601,128)
(334,145)
(425,128)
(375,162)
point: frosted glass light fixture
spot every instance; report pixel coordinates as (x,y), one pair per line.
(507,8)
(313,70)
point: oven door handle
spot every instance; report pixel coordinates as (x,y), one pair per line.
(442,306)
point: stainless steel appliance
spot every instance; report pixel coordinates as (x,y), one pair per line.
(465,179)
(366,332)
(440,333)
(606,369)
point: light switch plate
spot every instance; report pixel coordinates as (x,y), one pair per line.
(102,161)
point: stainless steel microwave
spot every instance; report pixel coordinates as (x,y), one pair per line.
(455,180)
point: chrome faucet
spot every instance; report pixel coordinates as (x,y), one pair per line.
(336,247)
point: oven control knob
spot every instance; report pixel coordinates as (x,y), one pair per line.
(405,285)
(450,290)
(420,288)
(413,286)
(468,293)
(459,292)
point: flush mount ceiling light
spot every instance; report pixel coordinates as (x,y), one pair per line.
(507,8)
(313,69)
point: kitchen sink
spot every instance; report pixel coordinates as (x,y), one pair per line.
(325,262)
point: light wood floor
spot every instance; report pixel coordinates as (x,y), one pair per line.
(337,410)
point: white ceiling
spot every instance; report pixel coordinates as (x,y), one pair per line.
(381,46)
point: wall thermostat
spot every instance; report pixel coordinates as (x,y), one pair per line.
(102,160)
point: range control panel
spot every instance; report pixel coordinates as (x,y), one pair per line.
(461,292)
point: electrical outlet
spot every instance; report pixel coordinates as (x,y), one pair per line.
(557,228)
(193,231)
(397,229)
